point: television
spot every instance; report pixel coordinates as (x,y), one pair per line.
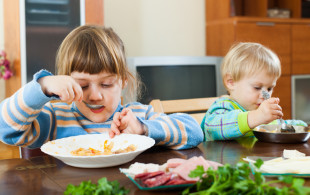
(301,97)
(178,77)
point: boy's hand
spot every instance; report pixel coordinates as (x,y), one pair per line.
(125,122)
(63,86)
(267,112)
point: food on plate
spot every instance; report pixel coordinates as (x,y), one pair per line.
(138,168)
(86,152)
(292,154)
(292,161)
(107,150)
(184,168)
(175,171)
(270,131)
(62,148)
(299,129)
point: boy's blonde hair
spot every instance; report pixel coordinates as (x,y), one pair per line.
(95,49)
(246,59)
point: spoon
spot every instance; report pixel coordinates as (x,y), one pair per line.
(285,128)
(92,106)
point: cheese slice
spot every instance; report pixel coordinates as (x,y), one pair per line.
(292,154)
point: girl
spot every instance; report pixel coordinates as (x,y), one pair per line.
(92,73)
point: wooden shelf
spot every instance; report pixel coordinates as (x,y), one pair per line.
(230,21)
(217,10)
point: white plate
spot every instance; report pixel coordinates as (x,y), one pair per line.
(61,149)
(275,167)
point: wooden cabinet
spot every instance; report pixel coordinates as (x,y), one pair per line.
(300,48)
(12,45)
(283,91)
(217,10)
(231,21)
(270,34)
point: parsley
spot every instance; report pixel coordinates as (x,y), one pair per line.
(237,180)
(104,187)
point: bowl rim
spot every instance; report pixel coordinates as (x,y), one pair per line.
(279,133)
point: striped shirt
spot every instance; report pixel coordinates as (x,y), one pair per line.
(29,119)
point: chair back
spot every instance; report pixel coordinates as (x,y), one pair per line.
(195,107)
(27,153)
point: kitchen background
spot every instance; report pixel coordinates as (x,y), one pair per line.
(150,27)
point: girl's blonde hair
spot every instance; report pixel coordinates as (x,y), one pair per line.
(95,49)
(246,59)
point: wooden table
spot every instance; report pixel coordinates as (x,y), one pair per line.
(47,175)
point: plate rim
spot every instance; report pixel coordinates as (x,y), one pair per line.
(151,143)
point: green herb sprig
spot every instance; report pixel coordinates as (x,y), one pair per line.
(228,180)
(104,187)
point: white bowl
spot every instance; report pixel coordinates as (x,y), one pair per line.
(61,149)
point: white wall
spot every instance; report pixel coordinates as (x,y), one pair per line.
(158,27)
(2,83)
(150,27)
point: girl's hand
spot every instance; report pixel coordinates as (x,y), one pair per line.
(267,112)
(125,122)
(63,86)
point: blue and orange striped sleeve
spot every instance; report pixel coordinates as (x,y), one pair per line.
(21,118)
(176,131)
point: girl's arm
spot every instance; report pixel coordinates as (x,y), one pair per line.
(24,118)
(177,131)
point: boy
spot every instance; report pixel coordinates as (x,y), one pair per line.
(247,70)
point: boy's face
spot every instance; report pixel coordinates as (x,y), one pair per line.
(248,90)
(101,95)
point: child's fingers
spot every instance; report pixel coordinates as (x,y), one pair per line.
(276,114)
(78,92)
(64,95)
(124,112)
(273,100)
(276,107)
(71,94)
(116,119)
(126,117)
(114,130)
(124,122)
(111,134)
(279,115)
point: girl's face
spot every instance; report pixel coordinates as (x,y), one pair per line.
(101,95)
(248,91)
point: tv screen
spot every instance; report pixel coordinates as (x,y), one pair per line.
(177,82)
(177,77)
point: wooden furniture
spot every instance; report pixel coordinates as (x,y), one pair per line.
(27,153)
(47,175)
(196,107)
(12,46)
(230,21)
